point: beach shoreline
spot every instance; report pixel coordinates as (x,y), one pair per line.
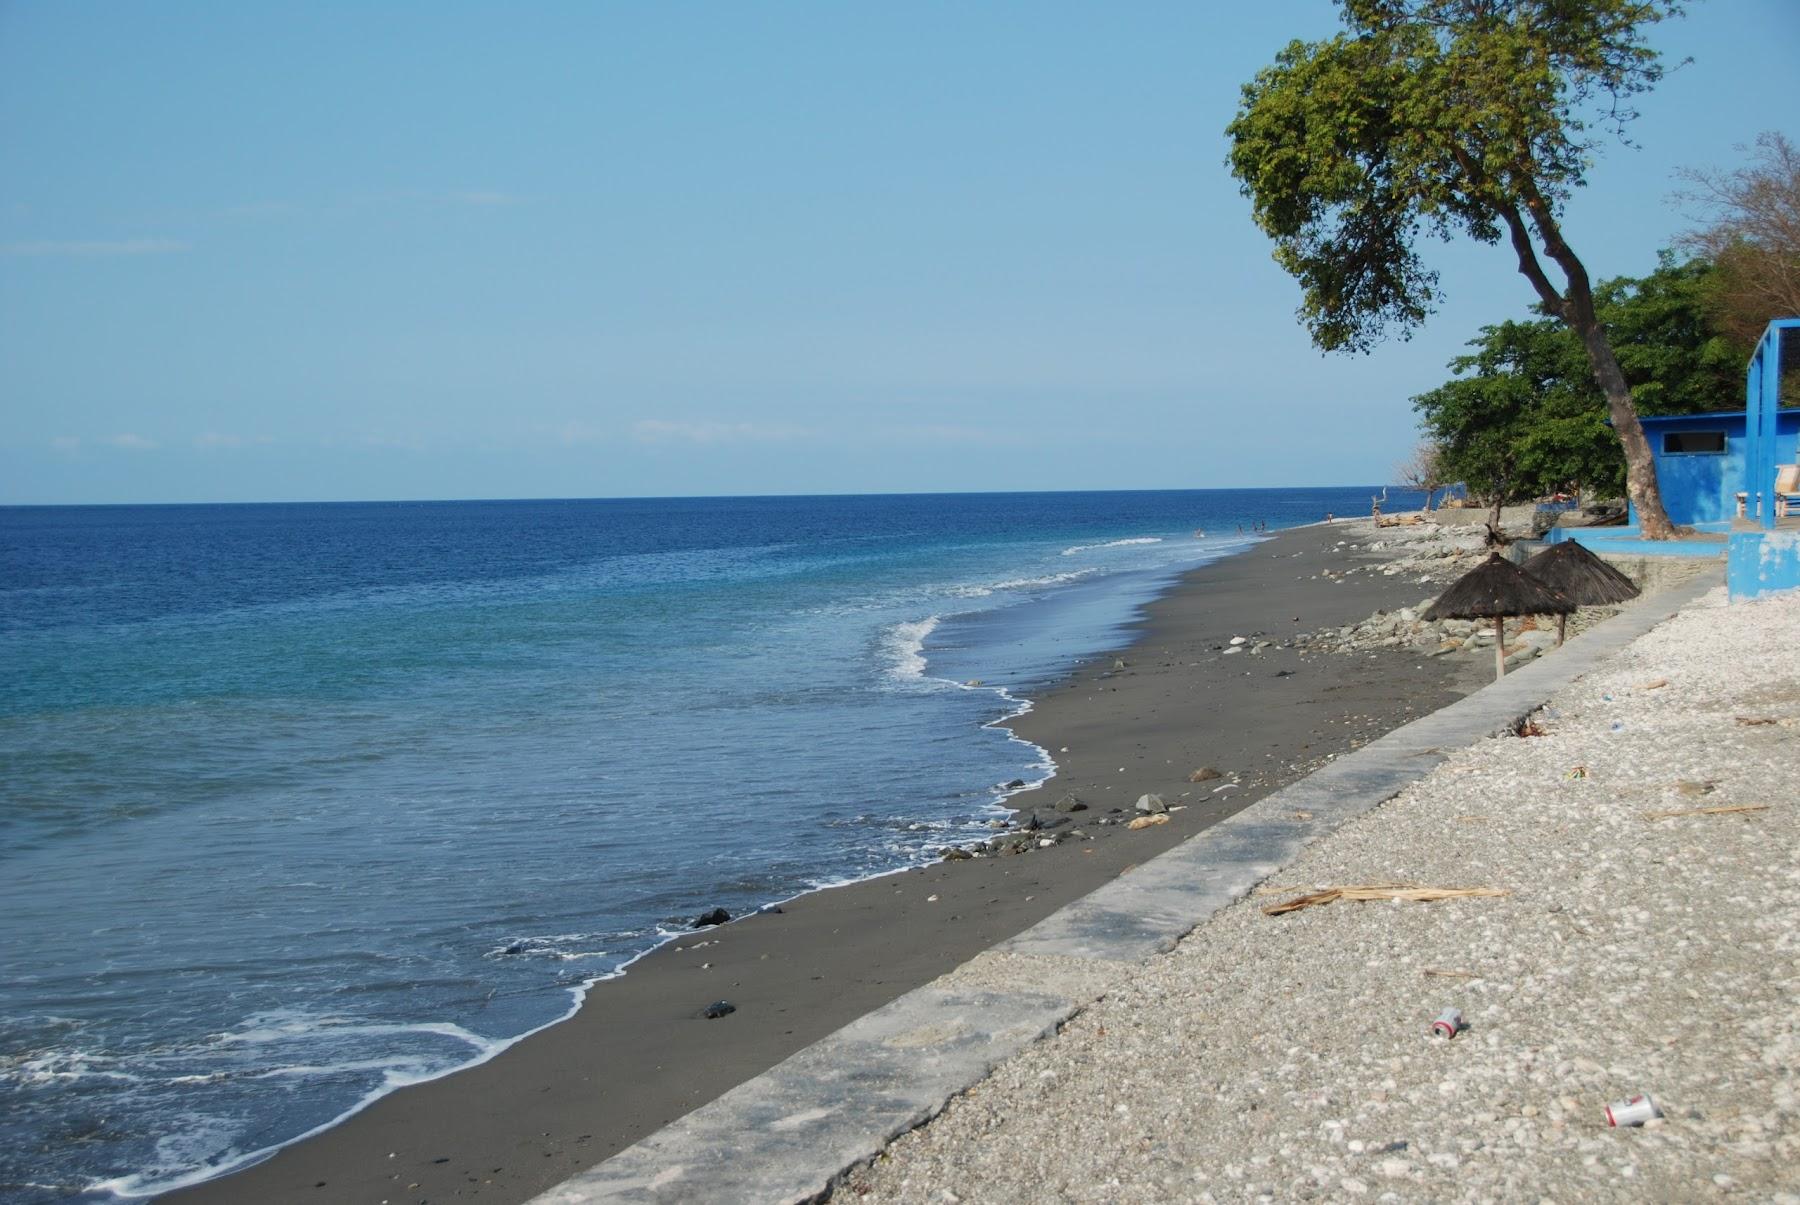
(1623,902)
(638,1053)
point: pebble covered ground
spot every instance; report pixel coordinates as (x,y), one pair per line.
(1288,1058)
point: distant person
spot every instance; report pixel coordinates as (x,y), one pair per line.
(1329,517)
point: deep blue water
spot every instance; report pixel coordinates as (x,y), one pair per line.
(305,802)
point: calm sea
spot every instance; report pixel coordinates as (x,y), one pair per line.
(302,803)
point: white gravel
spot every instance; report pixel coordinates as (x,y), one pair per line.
(1287,1058)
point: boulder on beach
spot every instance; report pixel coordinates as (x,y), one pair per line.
(1204,774)
(717,916)
(1070,803)
(1151,803)
(717,1009)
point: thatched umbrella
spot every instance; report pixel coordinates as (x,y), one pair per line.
(1581,577)
(1495,589)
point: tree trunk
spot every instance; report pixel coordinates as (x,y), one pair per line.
(1640,464)
(1575,307)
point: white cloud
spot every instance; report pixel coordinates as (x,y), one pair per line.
(135,443)
(949,433)
(65,443)
(95,247)
(224,439)
(656,430)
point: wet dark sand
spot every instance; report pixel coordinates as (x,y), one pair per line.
(638,1054)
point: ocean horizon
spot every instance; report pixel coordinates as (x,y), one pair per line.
(306,802)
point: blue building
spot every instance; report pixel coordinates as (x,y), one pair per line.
(1706,464)
(1702,461)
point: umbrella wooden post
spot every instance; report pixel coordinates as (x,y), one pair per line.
(1496,589)
(1562,623)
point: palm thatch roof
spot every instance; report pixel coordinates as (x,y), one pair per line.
(1497,588)
(1585,579)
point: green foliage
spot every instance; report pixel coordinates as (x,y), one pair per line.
(1428,118)
(1666,334)
(1525,417)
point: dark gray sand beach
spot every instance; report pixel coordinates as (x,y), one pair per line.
(639,1053)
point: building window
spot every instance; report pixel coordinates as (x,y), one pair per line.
(1694,443)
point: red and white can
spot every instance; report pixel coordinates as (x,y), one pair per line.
(1633,1112)
(1449,1023)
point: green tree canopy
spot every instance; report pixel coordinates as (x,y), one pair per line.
(1525,417)
(1445,118)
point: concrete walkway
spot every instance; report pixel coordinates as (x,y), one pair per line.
(790,1133)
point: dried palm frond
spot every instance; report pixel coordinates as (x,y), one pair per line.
(1719,811)
(1381,891)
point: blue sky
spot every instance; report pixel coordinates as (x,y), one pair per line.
(440,250)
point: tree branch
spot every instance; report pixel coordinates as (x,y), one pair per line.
(1579,304)
(1529,267)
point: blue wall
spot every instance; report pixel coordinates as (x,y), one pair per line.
(1702,487)
(1762,562)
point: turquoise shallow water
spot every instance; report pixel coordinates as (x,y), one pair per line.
(302,803)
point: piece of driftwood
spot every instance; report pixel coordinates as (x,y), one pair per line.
(1380,891)
(1449,974)
(1718,811)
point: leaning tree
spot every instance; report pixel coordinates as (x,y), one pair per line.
(1439,117)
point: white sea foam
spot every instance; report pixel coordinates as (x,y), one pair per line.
(64,1066)
(204,1149)
(904,646)
(288,1026)
(193,1139)
(1022,583)
(1049,579)
(1112,544)
(312,1070)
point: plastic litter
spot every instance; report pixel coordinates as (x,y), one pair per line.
(1632,1111)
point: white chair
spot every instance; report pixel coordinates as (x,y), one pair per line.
(1787,489)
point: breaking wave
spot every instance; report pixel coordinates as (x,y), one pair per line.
(1112,544)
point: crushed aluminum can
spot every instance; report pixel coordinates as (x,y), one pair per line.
(1632,1112)
(1448,1024)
